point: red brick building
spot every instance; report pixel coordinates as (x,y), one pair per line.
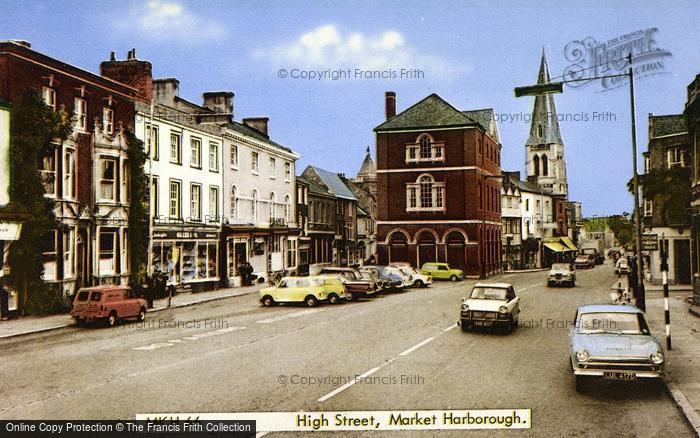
(87,174)
(437,197)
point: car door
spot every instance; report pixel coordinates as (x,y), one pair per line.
(443,272)
(513,303)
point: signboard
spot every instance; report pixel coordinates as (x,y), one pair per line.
(185,235)
(10,230)
(650,242)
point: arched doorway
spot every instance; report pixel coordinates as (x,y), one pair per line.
(398,247)
(456,249)
(427,248)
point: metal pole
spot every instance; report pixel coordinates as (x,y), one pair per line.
(149,135)
(664,280)
(640,296)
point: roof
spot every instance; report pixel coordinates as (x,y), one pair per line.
(303,180)
(544,113)
(315,188)
(526,186)
(368,167)
(626,308)
(485,118)
(361,212)
(496,285)
(250,132)
(431,112)
(334,184)
(672,124)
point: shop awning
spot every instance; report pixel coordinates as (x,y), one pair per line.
(569,243)
(556,247)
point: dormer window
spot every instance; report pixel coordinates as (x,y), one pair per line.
(425,149)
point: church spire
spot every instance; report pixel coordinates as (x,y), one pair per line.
(544,126)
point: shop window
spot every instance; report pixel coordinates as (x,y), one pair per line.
(188,261)
(108,179)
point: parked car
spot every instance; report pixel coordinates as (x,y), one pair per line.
(593,253)
(584,261)
(613,342)
(308,290)
(622,266)
(373,275)
(107,303)
(442,271)
(490,305)
(419,279)
(390,279)
(561,273)
(355,286)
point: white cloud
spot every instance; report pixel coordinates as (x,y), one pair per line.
(329,47)
(169,20)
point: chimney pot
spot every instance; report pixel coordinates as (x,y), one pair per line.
(389,104)
(112,56)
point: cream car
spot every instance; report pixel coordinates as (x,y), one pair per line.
(490,305)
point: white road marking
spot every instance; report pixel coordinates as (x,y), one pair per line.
(450,328)
(416,347)
(287,316)
(528,287)
(171,342)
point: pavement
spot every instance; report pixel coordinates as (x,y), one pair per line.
(233,355)
(36,324)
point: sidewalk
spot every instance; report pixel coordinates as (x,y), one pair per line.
(683,366)
(36,324)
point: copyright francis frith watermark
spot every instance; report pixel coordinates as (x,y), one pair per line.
(590,59)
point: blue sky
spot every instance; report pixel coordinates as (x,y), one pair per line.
(472,53)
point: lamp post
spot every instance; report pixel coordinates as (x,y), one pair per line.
(483,225)
(558,87)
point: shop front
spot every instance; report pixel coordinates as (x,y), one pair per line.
(188,256)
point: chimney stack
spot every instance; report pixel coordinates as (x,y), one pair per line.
(221,102)
(132,72)
(165,90)
(389,104)
(258,123)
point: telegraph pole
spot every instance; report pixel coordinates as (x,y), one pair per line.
(664,280)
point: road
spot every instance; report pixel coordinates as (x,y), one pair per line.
(236,356)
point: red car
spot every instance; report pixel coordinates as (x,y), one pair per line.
(355,285)
(107,303)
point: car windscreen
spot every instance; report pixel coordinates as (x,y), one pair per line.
(96,296)
(560,266)
(612,322)
(489,293)
(83,296)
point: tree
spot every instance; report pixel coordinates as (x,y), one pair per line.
(670,191)
(32,128)
(138,209)
(623,229)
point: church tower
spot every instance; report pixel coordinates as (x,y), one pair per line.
(544,161)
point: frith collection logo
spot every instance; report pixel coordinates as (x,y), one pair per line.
(592,59)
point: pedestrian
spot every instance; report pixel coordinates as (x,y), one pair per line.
(4,303)
(632,277)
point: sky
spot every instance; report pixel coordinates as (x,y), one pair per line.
(280,58)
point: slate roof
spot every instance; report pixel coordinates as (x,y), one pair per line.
(671,124)
(431,112)
(334,184)
(315,188)
(544,113)
(525,186)
(247,130)
(486,119)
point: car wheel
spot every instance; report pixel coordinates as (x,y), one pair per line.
(311,301)
(418,283)
(333,298)
(465,325)
(453,278)
(549,284)
(112,319)
(573,284)
(267,301)
(80,322)
(349,296)
(142,314)
(580,383)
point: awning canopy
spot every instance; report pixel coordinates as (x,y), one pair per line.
(556,247)
(569,243)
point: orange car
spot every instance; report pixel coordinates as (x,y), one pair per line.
(107,303)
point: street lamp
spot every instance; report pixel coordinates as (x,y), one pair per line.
(483,225)
(557,87)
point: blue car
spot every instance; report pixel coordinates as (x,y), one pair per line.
(613,342)
(392,277)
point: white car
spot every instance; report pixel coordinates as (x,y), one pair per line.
(418,279)
(490,305)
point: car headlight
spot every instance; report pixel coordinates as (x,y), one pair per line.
(503,309)
(583,355)
(465,307)
(657,358)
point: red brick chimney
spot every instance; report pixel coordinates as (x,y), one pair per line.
(389,104)
(257,123)
(134,72)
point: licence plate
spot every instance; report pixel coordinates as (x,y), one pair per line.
(616,375)
(483,323)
